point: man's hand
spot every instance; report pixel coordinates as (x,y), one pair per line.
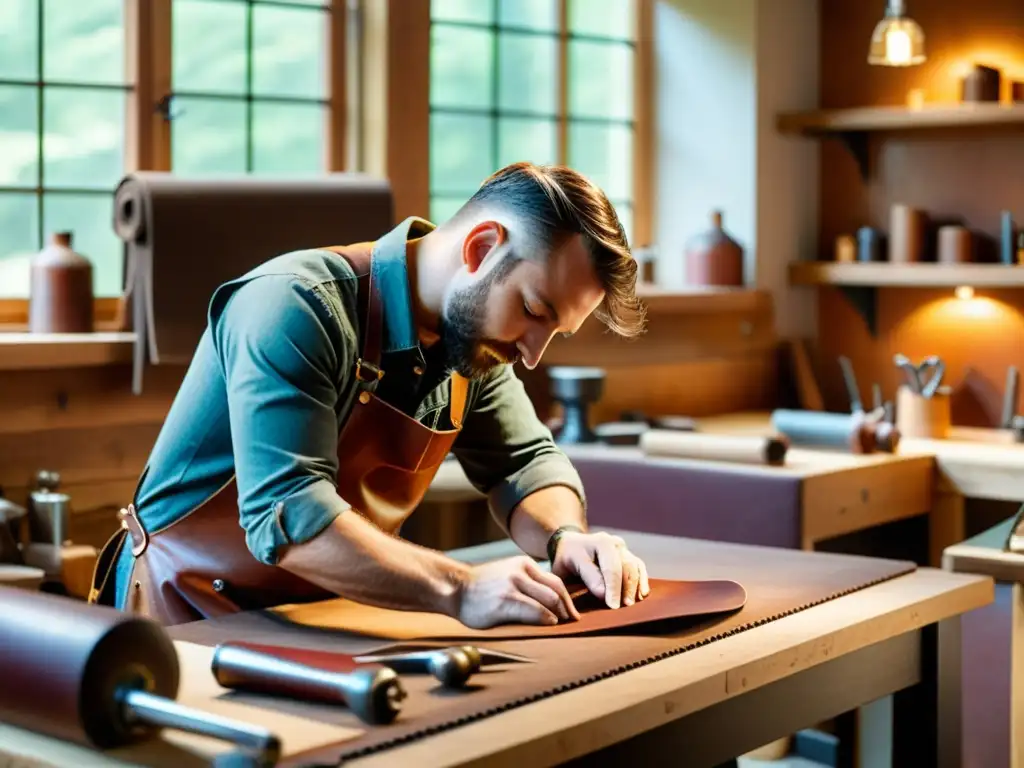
(513,590)
(605,565)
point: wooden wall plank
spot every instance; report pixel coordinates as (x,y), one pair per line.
(117,452)
(97,397)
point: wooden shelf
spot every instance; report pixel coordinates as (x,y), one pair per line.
(867,119)
(854,127)
(860,281)
(24,351)
(695,301)
(926,275)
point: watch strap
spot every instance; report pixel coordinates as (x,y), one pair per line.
(557,536)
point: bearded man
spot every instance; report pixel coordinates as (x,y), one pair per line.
(330,384)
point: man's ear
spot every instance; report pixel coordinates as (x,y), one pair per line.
(481,241)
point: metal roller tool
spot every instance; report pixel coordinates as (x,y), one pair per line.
(111,678)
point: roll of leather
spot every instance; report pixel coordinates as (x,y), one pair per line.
(954,245)
(63,661)
(906,234)
(186,236)
(852,431)
(742,449)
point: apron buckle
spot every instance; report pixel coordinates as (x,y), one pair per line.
(130,522)
(367,372)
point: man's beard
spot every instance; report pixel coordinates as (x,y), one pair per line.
(465,348)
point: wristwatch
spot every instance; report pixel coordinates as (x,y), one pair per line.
(557,536)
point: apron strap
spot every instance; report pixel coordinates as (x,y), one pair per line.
(368,370)
(459,389)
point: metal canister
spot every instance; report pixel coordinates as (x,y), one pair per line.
(48,517)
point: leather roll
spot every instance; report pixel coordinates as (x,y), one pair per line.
(954,245)
(63,662)
(738,449)
(906,234)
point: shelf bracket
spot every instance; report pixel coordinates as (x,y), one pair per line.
(864,299)
(858,144)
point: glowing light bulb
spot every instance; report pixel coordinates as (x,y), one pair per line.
(964,292)
(897,46)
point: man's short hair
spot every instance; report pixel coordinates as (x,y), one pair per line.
(554,203)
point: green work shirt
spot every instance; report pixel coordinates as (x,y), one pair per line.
(272,382)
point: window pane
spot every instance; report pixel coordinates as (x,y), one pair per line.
(461,63)
(443,207)
(19,136)
(83,142)
(315,3)
(208,136)
(288,52)
(19,242)
(88,218)
(535,141)
(461,153)
(600,79)
(208,46)
(528,75)
(604,153)
(462,10)
(19,36)
(608,18)
(83,41)
(530,14)
(288,138)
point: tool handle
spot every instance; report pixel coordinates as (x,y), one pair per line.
(371,691)
(451,666)
(146,709)
(1010,396)
(856,404)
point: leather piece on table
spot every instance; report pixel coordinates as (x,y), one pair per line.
(186,236)
(668,600)
(778,582)
(731,503)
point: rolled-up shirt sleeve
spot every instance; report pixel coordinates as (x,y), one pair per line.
(506,451)
(281,351)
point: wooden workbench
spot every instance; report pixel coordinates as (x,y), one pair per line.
(899,637)
(971,463)
(840,493)
(993,696)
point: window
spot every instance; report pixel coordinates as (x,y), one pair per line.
(62,106)
(497,94)
(250,86)
(256,87)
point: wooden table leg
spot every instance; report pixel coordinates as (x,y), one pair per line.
(946,525)
(1017,679)
(926,718)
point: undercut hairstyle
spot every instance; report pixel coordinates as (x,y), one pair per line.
(554,203)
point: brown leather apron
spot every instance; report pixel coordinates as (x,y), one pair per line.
(200,567)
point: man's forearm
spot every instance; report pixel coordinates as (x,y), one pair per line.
(540,514)
(355,559)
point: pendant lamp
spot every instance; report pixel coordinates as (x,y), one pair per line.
(898,41)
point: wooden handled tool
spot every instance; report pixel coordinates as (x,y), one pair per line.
(372,691)
(1010,397)
(742,449)
(110,677)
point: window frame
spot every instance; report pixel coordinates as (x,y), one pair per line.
(147,132)
(641,121)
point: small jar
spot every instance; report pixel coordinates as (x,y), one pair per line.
(60,289)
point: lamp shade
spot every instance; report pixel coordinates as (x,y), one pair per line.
(897,42)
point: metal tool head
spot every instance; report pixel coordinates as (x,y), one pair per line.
(382,691)
(1015,539)
(930,372)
